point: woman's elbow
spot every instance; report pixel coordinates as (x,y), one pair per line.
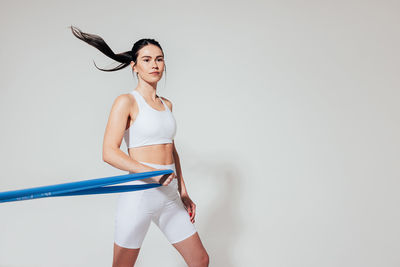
(105,157)
(107,153)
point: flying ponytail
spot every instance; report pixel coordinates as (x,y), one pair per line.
(124,58)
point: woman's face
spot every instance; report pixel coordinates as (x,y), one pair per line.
(149,60)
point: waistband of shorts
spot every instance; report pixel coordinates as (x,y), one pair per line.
(159,166)
(149,180)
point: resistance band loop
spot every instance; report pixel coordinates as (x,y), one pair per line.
(85,187)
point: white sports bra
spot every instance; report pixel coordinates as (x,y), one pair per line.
(151,126)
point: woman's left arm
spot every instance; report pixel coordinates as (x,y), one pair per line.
(187,202)
(189,205)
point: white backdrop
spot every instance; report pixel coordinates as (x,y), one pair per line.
(288,128)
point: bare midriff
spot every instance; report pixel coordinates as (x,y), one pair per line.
(157,154)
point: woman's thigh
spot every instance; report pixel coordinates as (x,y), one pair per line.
(132,219)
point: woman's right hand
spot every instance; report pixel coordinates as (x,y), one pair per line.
(164,179)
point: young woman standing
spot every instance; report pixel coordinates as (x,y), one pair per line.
(146,122)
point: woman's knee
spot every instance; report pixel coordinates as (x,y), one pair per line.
(124,256)
(206,259)
(203,260)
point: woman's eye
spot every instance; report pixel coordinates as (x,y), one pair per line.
(160,59)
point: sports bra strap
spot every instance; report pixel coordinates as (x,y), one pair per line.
(165,105)
(138,99)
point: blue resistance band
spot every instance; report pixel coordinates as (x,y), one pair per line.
(85,187)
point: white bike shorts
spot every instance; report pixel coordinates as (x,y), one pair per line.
(162,205)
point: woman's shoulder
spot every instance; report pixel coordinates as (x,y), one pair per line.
(124,100)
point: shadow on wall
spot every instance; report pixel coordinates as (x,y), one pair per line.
(214,188)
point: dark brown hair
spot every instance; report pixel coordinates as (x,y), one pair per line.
(124,58)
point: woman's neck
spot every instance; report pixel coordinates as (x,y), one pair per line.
(147,91)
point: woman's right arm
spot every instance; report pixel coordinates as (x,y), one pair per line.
(112,154)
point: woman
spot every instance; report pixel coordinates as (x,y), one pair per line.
(146,123)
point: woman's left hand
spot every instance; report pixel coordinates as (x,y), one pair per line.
(190,206)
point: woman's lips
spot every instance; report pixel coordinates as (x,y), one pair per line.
(154,73)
